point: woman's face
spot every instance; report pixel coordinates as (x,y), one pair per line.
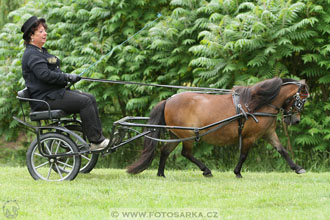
(39,37)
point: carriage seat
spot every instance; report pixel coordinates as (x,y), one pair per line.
(24,95)
(44,115)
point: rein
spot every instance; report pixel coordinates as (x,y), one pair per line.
(212,90)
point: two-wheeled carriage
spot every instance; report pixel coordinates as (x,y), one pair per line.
(60,150)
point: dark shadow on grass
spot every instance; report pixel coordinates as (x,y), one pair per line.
(187,176)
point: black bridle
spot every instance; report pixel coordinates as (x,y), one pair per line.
(298,100)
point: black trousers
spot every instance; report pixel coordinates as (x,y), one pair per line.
(85,105)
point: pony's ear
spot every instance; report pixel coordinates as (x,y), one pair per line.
(303,81)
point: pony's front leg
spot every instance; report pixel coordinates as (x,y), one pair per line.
(242,157)
(275,142)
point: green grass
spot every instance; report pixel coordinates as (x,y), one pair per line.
(96,195)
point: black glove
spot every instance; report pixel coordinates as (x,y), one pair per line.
(73,78)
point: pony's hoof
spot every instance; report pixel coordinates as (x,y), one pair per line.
(238,175)
(161,175)
(300,171)
(208,175)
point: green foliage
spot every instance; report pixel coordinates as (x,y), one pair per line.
(196,43)
(6,6)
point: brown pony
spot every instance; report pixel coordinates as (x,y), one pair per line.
(190,109)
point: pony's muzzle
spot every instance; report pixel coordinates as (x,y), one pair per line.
(292,119)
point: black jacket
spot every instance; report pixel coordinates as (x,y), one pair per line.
(42,74)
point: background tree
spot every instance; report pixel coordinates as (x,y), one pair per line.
(7,6)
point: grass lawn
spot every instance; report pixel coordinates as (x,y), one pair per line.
(103,192)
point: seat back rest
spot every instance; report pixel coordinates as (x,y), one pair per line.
(24,93)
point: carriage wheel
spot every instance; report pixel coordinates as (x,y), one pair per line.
(41,167)
(88,161)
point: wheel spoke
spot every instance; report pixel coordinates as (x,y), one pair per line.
(38,154)
(65,164)
(58,170)
(49,171)
(51,145)
(49,151)
(41,165)
(58,146)
(87,158)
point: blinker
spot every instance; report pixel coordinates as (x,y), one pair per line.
(299,104)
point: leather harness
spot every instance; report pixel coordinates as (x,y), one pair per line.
(241,120)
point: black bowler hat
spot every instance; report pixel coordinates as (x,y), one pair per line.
(28,24)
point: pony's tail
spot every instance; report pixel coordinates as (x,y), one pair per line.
(148,153)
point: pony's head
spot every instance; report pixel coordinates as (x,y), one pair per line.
(293,105)
(263,93)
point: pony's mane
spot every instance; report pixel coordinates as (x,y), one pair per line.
(262,93)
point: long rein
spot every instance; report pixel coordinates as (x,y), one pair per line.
(211,90)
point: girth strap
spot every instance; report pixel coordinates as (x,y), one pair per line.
(239,110)
(241,120)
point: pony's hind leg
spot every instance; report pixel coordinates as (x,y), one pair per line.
(165,152)
(187,153)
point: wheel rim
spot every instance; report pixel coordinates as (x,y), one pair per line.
(54,169)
